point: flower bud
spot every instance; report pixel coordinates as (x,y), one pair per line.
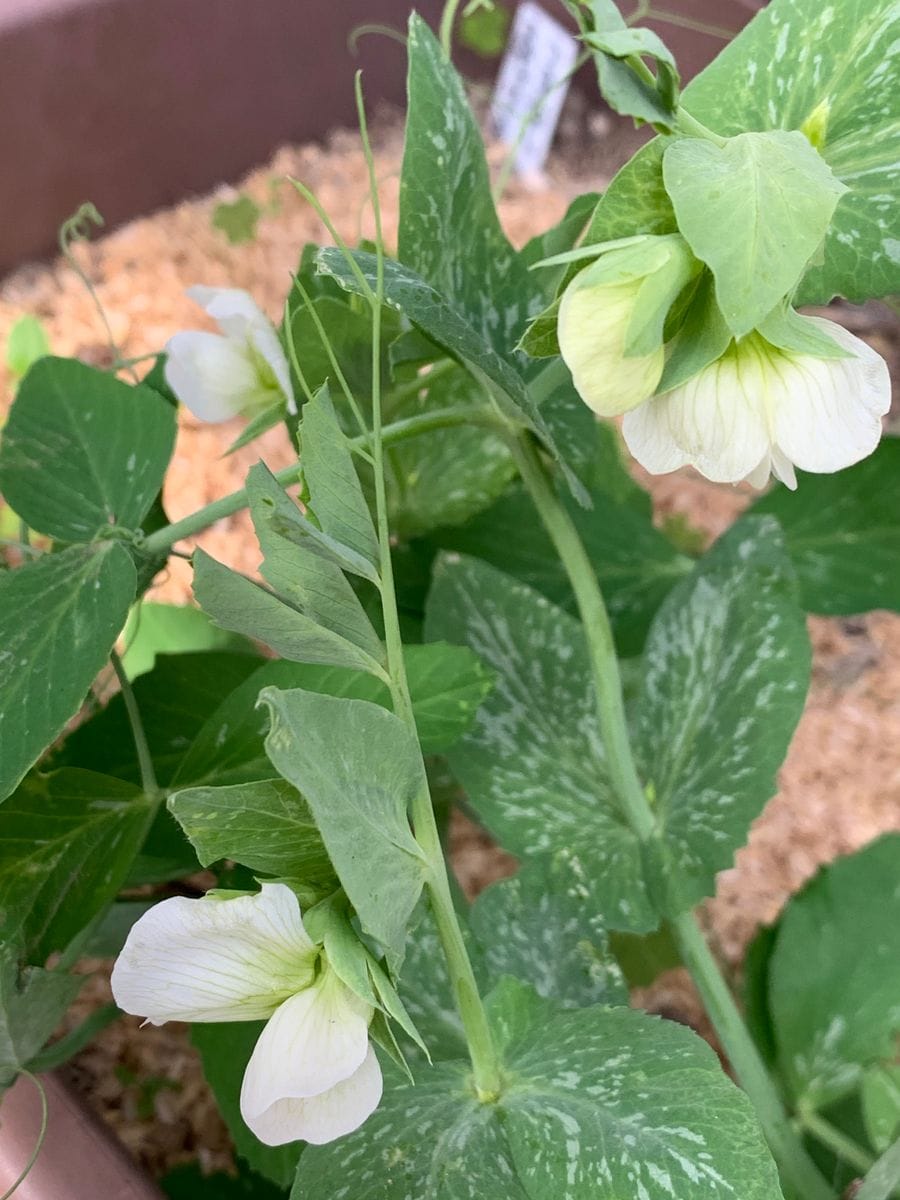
(612,317)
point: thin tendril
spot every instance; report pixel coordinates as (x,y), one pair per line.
(77,228)
(42,1134)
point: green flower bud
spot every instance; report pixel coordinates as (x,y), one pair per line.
(612,317)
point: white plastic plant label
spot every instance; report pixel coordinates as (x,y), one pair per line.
(532,85)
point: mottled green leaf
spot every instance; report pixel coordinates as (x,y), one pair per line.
(533,765)
(31,1005)
(831,69)
(59,618)
(82,450)
(449,231)
(539,927)
(598,1104)
(726,670)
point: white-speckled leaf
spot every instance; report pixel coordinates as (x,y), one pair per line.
(833,64)
(449,231)
(533,763)
(539,926)
(726,673)
(834,974)
(599,1104)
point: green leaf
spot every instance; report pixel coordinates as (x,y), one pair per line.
(83,451)
(266,825)
(67,841)
(538,926)
(237,603)
(225,1050)
(843,534)
(304,564)
(449,231)
(446,683)
(451,329)
(191,1183)
(59,618)
(623,89)
(533,765)
(360,769)
(636,565)
(880,1094)
(834,975)
(27,342)
(154,629)
(445,476)
(598,1104)
(755,211)
(335,492)
(726,670)
(275,513)
(237,219)
(31,1006)
(174,700)
(770,77)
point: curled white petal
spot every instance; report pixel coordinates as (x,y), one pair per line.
(316,1043)
(244,323)
(210,375)
(215,960)
(592,329)
(329,1115)
(759,410)
(829,413)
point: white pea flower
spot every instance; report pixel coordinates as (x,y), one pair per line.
(759,410)
(238,372)
(312,1074)
(611,320)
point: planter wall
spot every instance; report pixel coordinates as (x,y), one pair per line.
(135,103)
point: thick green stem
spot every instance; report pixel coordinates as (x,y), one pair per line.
(883,1181)
(482,1052)
(163,539)
(793,1160)
(145,760)
(796,1166)
(605,664)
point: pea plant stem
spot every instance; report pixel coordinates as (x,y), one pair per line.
(796,1166)
(162,540)
(144,757)
(844,1147)
(482,1052)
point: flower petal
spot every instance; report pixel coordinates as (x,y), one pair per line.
(322,1118)
(593,325)
(211,375)
(215,960)
(242,321)
(715,422)
(826,413)
(314,1041)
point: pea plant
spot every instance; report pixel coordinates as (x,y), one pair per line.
(463,600)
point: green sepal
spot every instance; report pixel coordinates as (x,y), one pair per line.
(785,328)
(701,338)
